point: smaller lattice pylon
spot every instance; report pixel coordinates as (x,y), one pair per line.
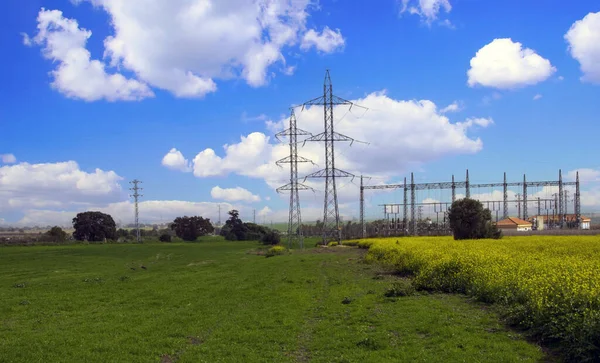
(294,232)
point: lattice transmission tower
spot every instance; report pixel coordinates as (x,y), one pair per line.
(331,214)
(295,217)
(136,196)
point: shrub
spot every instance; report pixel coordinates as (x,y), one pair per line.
(469,220)
(400,288)
(271,238)
(165,237)
(332,244)
(275,250)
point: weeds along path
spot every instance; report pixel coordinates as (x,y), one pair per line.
(223,302)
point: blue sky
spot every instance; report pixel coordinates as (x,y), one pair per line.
(178,89)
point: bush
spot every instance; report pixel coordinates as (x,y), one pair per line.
(275,250)
(165,237)
(271,238)
(332,244)
(469,220)
(401,288)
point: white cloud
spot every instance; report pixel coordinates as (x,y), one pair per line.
(234,194)
(585,175)
(584,45)
(174,160)
(453,107)
(416,133)
(265,212)
(328,41)
(55,185)
(476,121)
(244,157)
(537,97)
(8,158)
(428,10)
(76,74)
(183,46)
(504,64)
(26,40)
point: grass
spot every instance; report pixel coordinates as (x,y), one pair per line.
(225,302)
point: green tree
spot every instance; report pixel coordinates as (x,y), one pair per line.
(190,228)
(234,229)
(94,226)
(56,234)
(469,220)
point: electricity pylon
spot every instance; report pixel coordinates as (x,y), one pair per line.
(295,216)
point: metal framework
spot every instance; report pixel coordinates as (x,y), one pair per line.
(294,232)
(331,216)
(136,196)
(443,207)
(468,186)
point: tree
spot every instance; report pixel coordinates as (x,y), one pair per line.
(190,228)
(469,220)
(234,229)
(56,234)
(165,237)
(94,226)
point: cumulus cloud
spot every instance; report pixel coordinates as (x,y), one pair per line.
(234,194)
(328,41)
(416,133)
(77,75)
(428,10)
(505,64)
(584,45)
(174,160)
(8,158)
(181,46)
(537,97)
(55,185)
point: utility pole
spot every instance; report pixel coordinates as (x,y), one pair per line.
(331,215)
(136,196)
(254,216)
(219,222)
(294,232)
(566,210)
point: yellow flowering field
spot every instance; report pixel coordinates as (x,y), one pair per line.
(547,284)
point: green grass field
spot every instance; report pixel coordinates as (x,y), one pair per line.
(223,302)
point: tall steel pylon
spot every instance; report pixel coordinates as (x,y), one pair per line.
(331,214)
(295,217)
(136,196)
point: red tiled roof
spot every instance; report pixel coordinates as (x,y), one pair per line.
(512,221)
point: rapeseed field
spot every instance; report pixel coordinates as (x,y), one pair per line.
(549,285)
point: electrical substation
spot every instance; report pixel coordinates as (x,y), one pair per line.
(540,205)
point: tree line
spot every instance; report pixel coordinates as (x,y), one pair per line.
(94,226)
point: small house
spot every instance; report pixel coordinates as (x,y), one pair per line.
(513,223)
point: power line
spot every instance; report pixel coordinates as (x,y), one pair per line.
(136,196)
